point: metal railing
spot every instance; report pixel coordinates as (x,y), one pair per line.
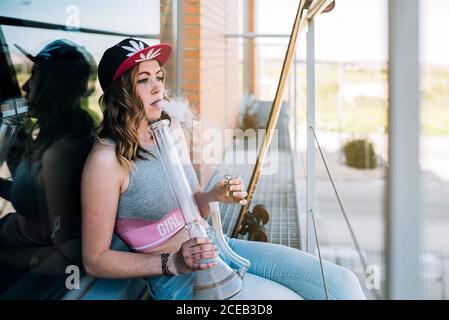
(16,22)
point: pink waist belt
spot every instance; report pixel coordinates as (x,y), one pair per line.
(141,235)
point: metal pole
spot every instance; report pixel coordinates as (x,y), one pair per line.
(225,93)
(246,54)
(253,35)
(310,239)
(179,7)
(295,102)
(290,93)
(403,207)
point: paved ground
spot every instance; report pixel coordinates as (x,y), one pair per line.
(362,192)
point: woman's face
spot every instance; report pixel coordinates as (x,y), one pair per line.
(150,88)
(29,87)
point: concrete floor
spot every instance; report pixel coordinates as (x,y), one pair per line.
(362,193)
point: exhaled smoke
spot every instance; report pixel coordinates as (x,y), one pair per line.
(179,109)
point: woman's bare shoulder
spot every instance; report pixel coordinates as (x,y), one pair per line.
(102,158)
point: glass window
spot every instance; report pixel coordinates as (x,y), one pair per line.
(434,154)
(49,114)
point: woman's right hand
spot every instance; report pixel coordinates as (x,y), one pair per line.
(188,258)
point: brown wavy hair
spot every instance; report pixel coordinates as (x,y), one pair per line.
(119,103)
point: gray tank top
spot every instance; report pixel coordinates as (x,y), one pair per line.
(149,196)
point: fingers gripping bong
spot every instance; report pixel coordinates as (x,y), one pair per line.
(196,254)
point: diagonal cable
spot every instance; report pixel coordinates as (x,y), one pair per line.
(319,254)
(348,223)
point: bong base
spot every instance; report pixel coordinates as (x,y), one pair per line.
(221,290)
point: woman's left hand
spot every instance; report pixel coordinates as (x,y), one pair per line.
(236,191)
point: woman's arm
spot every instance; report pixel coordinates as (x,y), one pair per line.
(217,193)
(100,191)
(60,177)
(202,201)
(101,185)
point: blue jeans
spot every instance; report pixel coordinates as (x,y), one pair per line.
(289,267)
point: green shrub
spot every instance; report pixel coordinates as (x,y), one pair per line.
(360,154)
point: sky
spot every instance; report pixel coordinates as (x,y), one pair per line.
(337,32)
(133,17)
(114,15)
(355,31)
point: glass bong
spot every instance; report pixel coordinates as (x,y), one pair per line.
(220,281)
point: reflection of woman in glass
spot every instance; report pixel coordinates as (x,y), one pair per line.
(46,182)
(124,189)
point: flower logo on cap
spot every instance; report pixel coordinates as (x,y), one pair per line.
(135,47)
(150,55)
